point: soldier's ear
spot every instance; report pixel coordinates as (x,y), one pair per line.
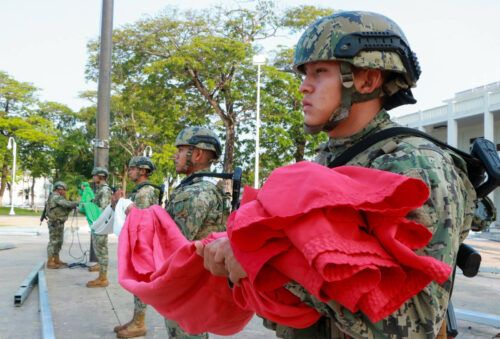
(367,80)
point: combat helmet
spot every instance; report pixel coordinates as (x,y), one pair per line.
(142,162)
(59,184)
(100,171)
(364,40)
(199,137)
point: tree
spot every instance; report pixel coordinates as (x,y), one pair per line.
(33,133)
(192,67)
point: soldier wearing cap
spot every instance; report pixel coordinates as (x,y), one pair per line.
(57,209)
(198,204)
(102,199)
(356,66)
(143,195)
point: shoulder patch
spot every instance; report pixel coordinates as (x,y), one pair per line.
(211,180)
(389,147)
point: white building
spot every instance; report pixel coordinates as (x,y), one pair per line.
(468,115)
(22,192)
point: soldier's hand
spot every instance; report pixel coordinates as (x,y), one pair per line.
(218,258)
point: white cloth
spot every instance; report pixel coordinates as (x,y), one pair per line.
(104,224)
(120,216)
(112,221)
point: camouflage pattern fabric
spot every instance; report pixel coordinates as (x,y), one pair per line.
(103,196)
(320,39)
(198,209)
(58,208)
(56,236)
(139,306)
(143,196)
(100,241)
(199,137)
(447,214)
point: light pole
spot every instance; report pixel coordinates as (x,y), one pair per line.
(148,151)
(12,144)
(257,60)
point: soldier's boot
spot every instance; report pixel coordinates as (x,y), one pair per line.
(94,268)
(121,327)
(136,329)
(100,281)
(51,263)
(57,260)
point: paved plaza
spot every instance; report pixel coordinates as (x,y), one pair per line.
(80,312)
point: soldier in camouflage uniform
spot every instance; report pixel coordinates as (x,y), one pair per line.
(57,209)
(100,241)
(198,205)
(143,195)
(350,81)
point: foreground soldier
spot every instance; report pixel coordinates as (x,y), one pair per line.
(143,196)
(197,205)
(100,241)
(357,65)
(57,209)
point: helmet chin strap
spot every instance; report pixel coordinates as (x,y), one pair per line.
(349,95)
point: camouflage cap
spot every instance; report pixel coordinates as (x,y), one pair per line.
(100,171)
(363,39)
(199,137)
(142,162)
(59,185)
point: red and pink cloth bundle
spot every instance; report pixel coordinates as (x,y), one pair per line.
(340,233)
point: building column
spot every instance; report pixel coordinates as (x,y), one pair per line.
(489,133)
(489,125)
(452,130)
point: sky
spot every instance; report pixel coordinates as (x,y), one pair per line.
(457,42)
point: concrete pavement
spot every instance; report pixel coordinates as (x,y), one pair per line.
(80,312)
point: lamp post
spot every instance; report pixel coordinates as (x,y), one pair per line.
(148,151)
(12,144)
(257,60)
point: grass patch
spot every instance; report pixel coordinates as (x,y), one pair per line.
(19,211)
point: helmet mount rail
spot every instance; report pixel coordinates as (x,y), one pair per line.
(351,44)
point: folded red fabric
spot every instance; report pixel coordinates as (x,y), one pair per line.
(340,233)
(348,236)
(157,264)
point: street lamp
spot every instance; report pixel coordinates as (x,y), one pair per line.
(257,60)
(12,144)
(148,151)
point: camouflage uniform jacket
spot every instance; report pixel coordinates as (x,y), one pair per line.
(144,195)
(58,208)
(103,196)
(197,207)
(447,214)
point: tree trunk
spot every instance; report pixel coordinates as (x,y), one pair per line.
(32,193)
(229,146)
(299,151)
(3,184)
(124,180)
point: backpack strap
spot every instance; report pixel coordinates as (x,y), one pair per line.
(483,158)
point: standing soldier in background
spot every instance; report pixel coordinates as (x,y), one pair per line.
(143,195)
(197,205)
(57,210)
(102,199)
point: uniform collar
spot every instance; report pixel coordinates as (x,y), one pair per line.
(338,145)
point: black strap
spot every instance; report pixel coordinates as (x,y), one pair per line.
(235,177)
(364,144)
